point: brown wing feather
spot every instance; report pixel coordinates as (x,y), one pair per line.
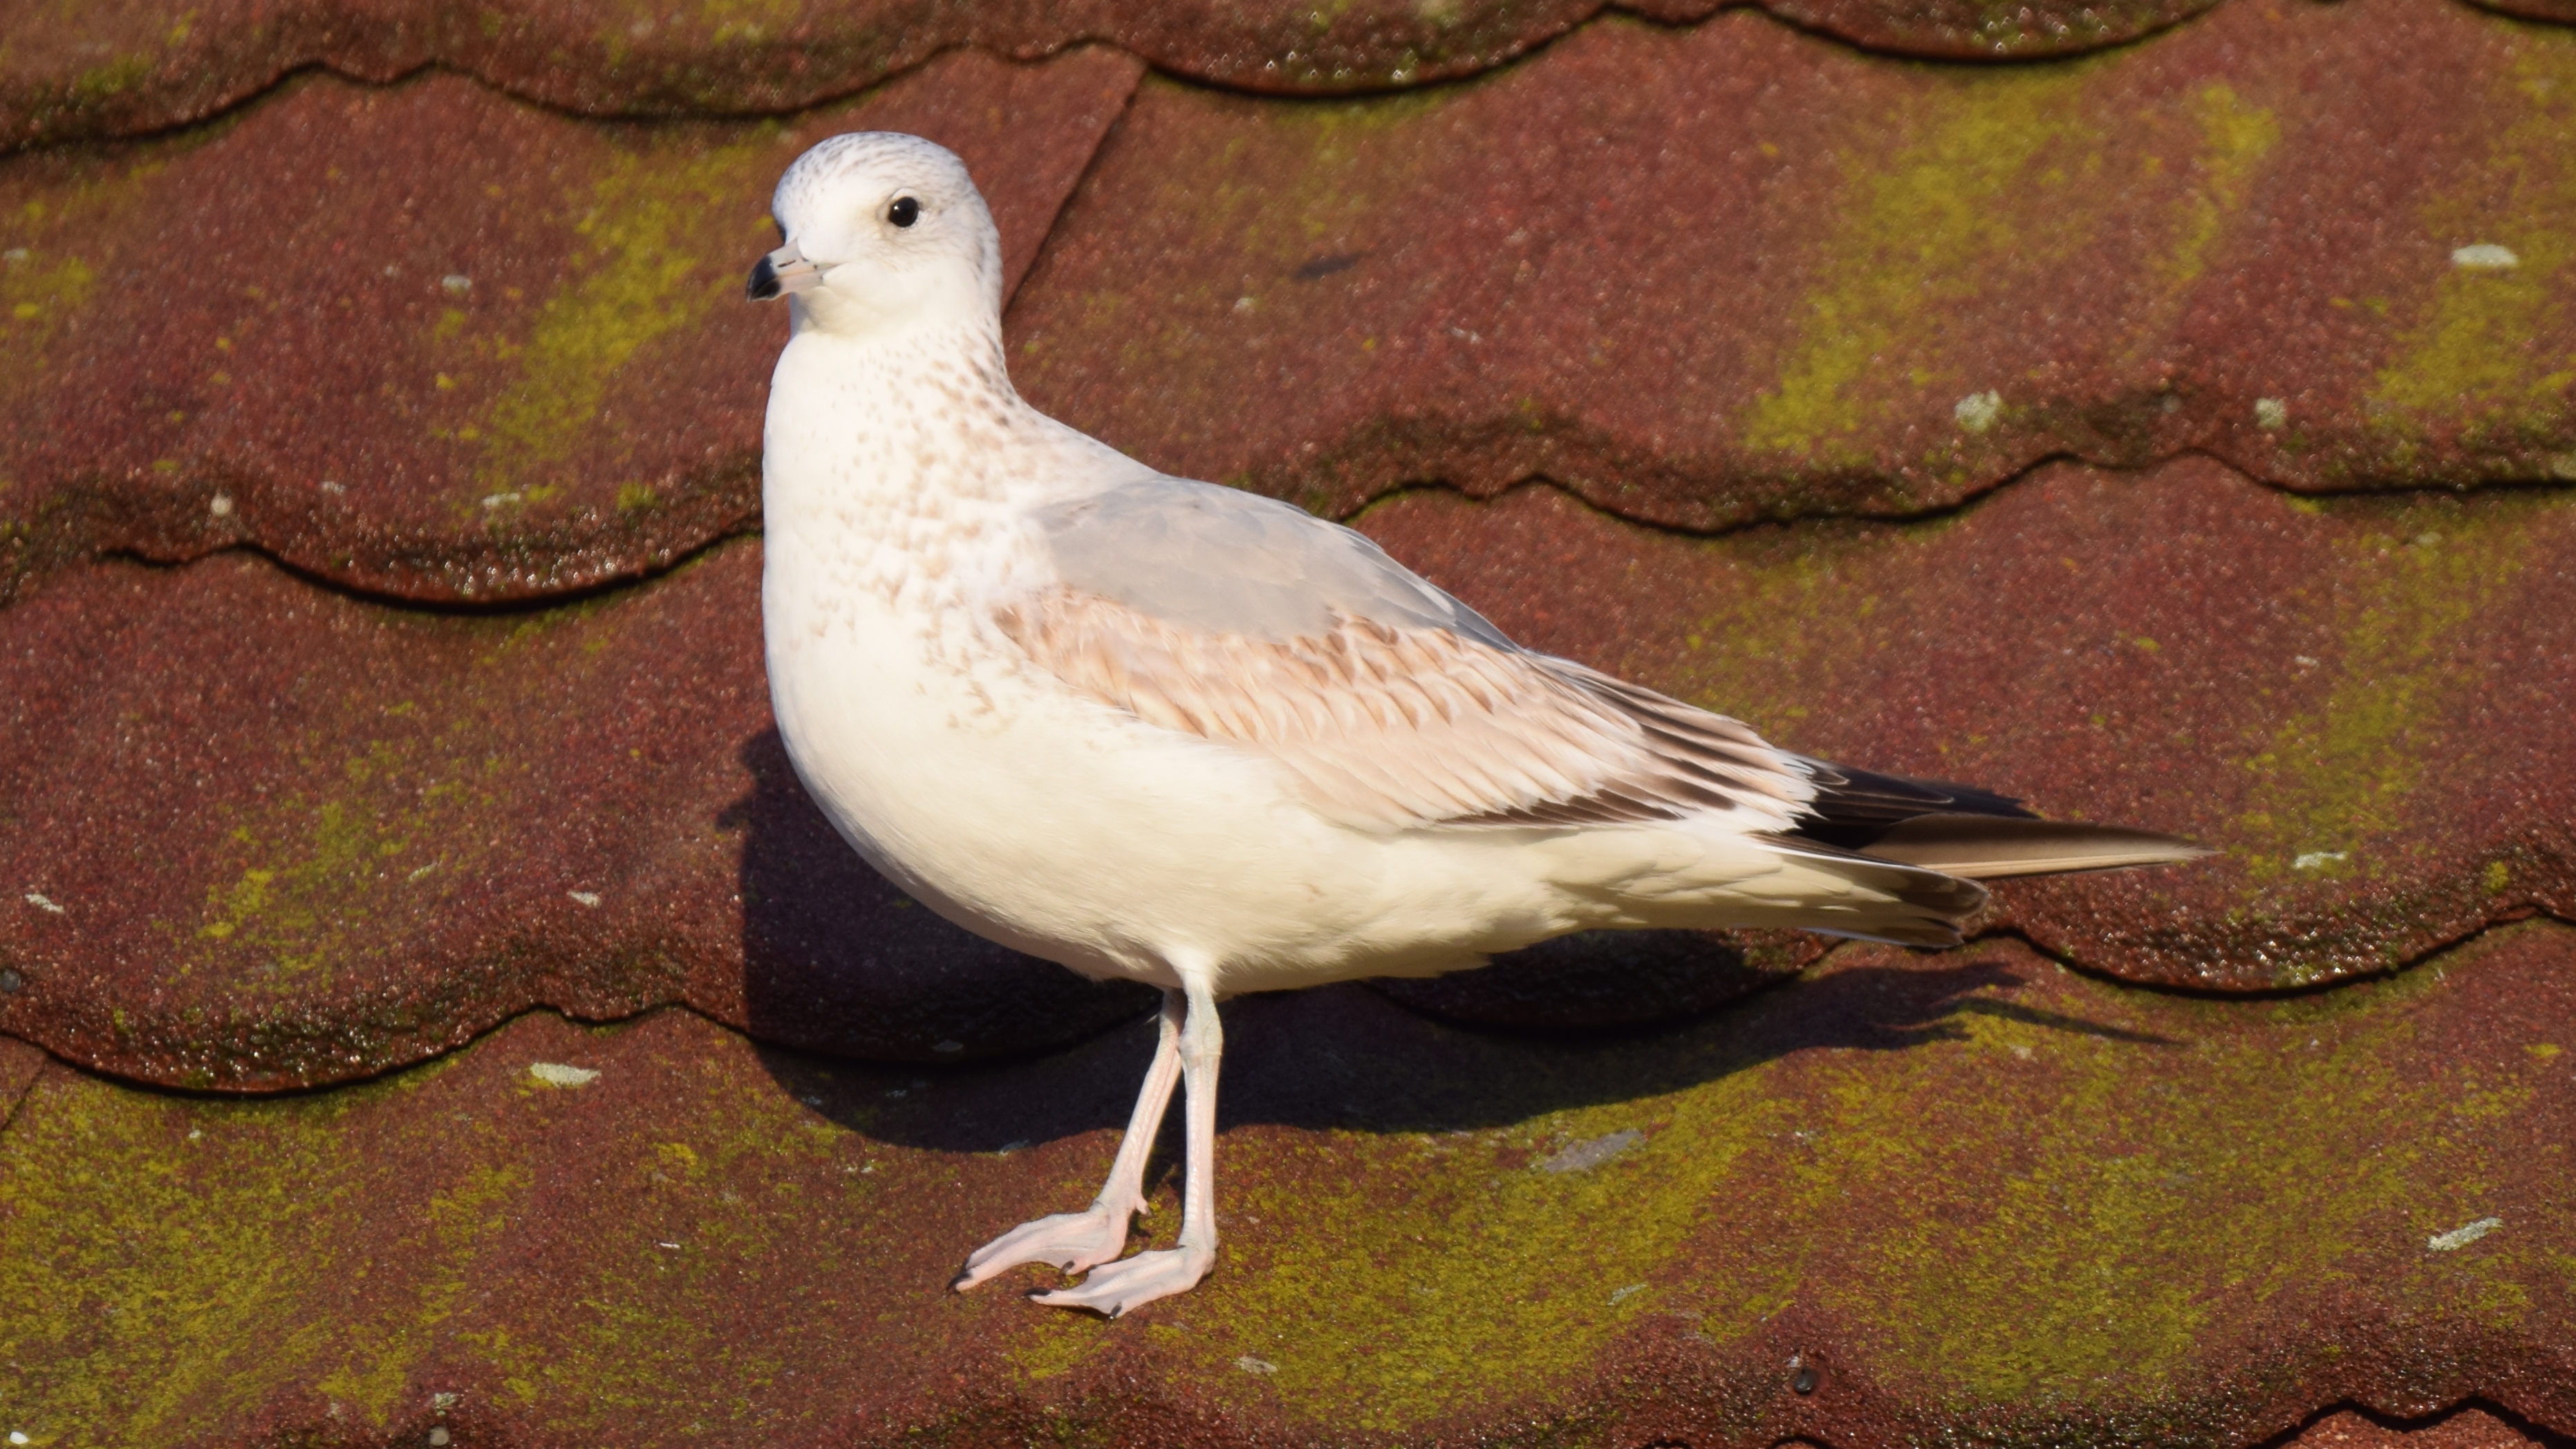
(1387,727)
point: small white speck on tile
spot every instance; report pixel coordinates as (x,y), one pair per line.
(2485,257)
(556,1074)
(1978,410)
(14,255)
(1244,304)
(19,1436)
(1012,1146)
(438,1437)
(1585,1156)
(221,505)
(456,284)
(2460,1237)
(584,898)
(673,1246)
(495,500)
(1624,1294)
(2312,859)
(2271,414)
(37,900)
(2303,661)
(1252,1365)
(332,485)
(2022,1052)
(442,1401)
(424,870)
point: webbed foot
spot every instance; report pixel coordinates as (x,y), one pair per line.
(1070,1241)
(1116,1287)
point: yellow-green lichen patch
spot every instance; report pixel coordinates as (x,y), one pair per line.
(2059,1197)
(1984,192)
(2134,1201)
(160,1257)
(695,1209)
(1395,1279)
(2415,587)
(313,881)
(638,274)
(1787,600)
(2237,137)
(58,234)
(2491,358)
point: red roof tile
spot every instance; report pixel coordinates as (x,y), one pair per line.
(270,836)
(1970,1195)
(2359,701)
(264,827)
(359,330)
(1733,272)
(284,836)
(144,65)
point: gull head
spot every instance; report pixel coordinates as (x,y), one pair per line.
(885,234)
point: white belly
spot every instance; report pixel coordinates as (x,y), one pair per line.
(1077,835)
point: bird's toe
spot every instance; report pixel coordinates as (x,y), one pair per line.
(1070,1241)
(1116,1287)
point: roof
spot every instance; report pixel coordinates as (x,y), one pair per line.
(2166,425)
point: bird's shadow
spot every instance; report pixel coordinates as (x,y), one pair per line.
(838,960)
(1346,1058)
(909,1030)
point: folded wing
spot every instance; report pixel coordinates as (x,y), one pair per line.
(1231,617)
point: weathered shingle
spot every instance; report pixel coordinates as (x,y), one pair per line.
(1964,1195)
(433,342)
(264,835)
(71,71)
(2098,430)
(1728,273)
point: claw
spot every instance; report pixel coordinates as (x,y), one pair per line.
(1130,1282)
(1070,1241)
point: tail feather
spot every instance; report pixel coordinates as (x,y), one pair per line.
(1985,847)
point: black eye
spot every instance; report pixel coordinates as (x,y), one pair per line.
(904,212)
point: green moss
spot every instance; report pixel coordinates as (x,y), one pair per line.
(2411,589)
(313,878)
(2473,357)
(193,1231)
(1418,1276)
(2237,139)
(1933,222)
(101,84)
(1788,597)
(53,251)
(729,1192)
(635,279)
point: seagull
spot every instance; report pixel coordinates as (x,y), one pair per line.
(1172,732)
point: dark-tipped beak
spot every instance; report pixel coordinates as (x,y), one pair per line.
(782,271)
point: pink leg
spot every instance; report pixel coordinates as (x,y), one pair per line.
(1122,1285)
(1076,1241)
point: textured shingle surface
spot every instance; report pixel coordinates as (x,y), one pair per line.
(1733,272)
(431,341)
(1972,1194)
(73,70)
(2120,431)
